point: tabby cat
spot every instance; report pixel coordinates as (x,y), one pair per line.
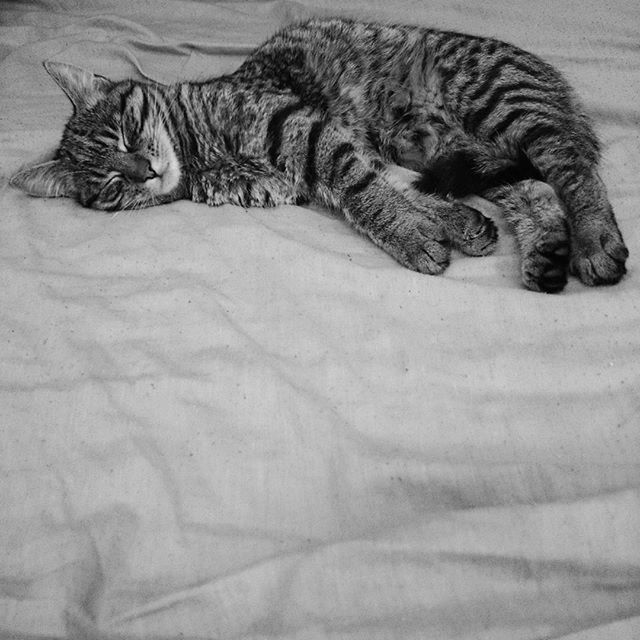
(388,124)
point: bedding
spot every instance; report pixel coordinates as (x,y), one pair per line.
(252,423)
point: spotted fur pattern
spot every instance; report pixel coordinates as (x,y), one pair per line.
(385,123)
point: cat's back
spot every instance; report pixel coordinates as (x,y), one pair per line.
(339,46)
(335,50)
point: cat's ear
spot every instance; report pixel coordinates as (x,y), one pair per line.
(46,180)
(82,87)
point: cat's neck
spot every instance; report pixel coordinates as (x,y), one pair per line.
(211,119)
(190,107)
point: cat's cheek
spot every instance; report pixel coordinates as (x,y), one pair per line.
(166,165)
(171,177)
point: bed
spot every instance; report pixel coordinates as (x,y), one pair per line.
(246,424)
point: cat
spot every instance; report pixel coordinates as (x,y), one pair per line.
(389,124)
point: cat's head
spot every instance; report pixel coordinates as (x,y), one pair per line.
(115,152)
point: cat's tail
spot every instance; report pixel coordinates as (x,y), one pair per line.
(473,169)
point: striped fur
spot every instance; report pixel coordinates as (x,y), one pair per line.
(324,111)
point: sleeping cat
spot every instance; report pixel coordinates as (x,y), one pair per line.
(386,123)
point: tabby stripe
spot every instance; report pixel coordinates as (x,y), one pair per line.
(210,125)
(183,127)
(529,70)
(337,155)
(310,172)
(487,81)
(510,119)
(344,170)
(528,104)
(378,221)
(472,79)
(375,40)
(473,120)
(193,120)
(469,71)
(245,195)
(95,172)
(109,135)
(472,52)
(545,100)
(538,131)
(163,103)
(124,97)
(275,128)
(360,186)
(144,111)
(123,108)
(426,58)
(448,47)
(491,46)
(447,72)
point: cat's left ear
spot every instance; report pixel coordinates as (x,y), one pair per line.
(82,87)
(46,180)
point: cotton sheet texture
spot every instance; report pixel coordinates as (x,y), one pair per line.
(228,423)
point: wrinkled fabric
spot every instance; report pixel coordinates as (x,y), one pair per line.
(231,423)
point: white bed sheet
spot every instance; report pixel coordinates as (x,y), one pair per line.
(229,423)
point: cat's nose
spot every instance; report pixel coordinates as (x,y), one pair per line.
(138,168)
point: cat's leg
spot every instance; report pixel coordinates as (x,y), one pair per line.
(598,252)
(568,161)
(329,165)
(331,168)
(243,181)
(415,236)
(538,220)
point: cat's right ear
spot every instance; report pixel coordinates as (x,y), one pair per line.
(46,180)
(82,87)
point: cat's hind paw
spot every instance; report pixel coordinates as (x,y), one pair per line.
(544,267)
(603,262)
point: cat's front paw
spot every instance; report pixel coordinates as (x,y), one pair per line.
(472,232)
(600,260)
(419,246)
